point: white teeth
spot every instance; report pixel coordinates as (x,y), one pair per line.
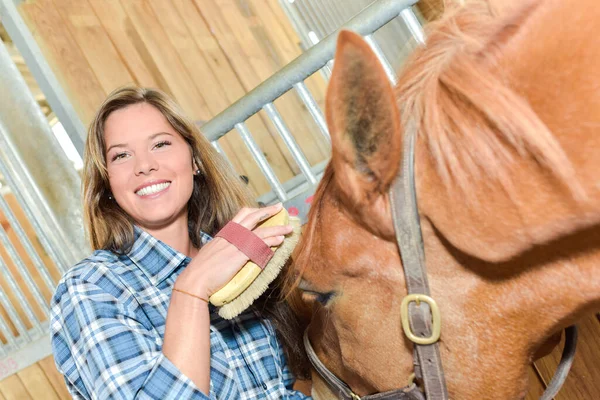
(152,189)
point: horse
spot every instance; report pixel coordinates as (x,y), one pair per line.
(504,103)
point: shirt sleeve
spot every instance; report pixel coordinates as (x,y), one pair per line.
(106,351)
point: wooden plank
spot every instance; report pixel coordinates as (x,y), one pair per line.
(81,20)
(270,28)
(12,388)
(166,58)
(66,60)
(282,17)
(203,77)
(237,41)
(209,41)
(55,378)
(583,382)
(128,43)
(536,386)
(249,30)
(16,209)
(37,384)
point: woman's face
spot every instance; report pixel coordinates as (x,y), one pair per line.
(149,166)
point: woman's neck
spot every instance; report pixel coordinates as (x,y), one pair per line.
(175,235)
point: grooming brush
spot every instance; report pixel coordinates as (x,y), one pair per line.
(250,281)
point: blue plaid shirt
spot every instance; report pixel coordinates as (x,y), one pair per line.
(108,322)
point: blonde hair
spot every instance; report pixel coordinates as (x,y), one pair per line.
(217,196)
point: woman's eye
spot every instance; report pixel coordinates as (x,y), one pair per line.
(164,143)
(118,156)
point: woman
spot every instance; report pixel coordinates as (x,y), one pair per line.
(132,320)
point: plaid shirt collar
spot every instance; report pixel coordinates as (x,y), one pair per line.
(156,259)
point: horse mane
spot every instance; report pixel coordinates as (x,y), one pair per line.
(454,94)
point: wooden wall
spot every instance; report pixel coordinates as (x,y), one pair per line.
(205,53)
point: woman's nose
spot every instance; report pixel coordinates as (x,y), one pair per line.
(145,164)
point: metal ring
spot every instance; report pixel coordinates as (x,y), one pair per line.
(436,326)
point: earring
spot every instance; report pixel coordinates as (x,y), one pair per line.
(197,172)
(110,197)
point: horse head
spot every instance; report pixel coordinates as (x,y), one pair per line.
(506,107)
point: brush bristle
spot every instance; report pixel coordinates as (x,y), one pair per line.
(267,275)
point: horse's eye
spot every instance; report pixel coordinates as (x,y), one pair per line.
(323,298)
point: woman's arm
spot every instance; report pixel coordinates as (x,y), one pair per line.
(105,345)
(187,338)
(187,334)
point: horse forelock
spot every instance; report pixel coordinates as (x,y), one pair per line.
(472,124)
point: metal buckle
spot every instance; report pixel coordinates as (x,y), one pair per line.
(436,326)
(354,396)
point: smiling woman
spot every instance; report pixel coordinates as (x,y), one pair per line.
(135,311)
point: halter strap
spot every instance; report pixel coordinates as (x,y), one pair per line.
(343,391)
(405,216)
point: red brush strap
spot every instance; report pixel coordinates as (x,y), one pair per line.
(246,242)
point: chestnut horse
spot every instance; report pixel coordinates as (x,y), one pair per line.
(506,106)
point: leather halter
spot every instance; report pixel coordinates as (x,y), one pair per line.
(421,321)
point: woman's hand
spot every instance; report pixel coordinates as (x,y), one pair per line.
(218,261)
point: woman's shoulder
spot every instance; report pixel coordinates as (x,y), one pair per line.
(96,269)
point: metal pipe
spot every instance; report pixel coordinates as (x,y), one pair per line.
(389,70)
(8,307)
(8,335)
(41,71)
(31,252)
(313,108)
(39,173)
(296,185)
(290,142)
(262,162)
(24,272)
(371,19)
(413,24)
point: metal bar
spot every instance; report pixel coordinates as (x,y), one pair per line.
(325,13)
(220,150)
(413,24)
(48,190)
(58,259)
(41,71)
(262,162)
(10,310)
(295,185)
(8,335)
(298,24)
(31,252)
(389,70)
(218,147)
(24,272)
(313,108)
(308,15)
(371,19)
(290,142)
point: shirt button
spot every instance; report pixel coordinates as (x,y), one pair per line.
(264,385)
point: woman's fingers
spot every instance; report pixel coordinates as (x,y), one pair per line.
(259,215)
(270,231)
(274,240)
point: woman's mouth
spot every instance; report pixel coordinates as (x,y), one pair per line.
(153,189)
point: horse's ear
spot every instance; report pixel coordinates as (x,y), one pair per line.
(363,120)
